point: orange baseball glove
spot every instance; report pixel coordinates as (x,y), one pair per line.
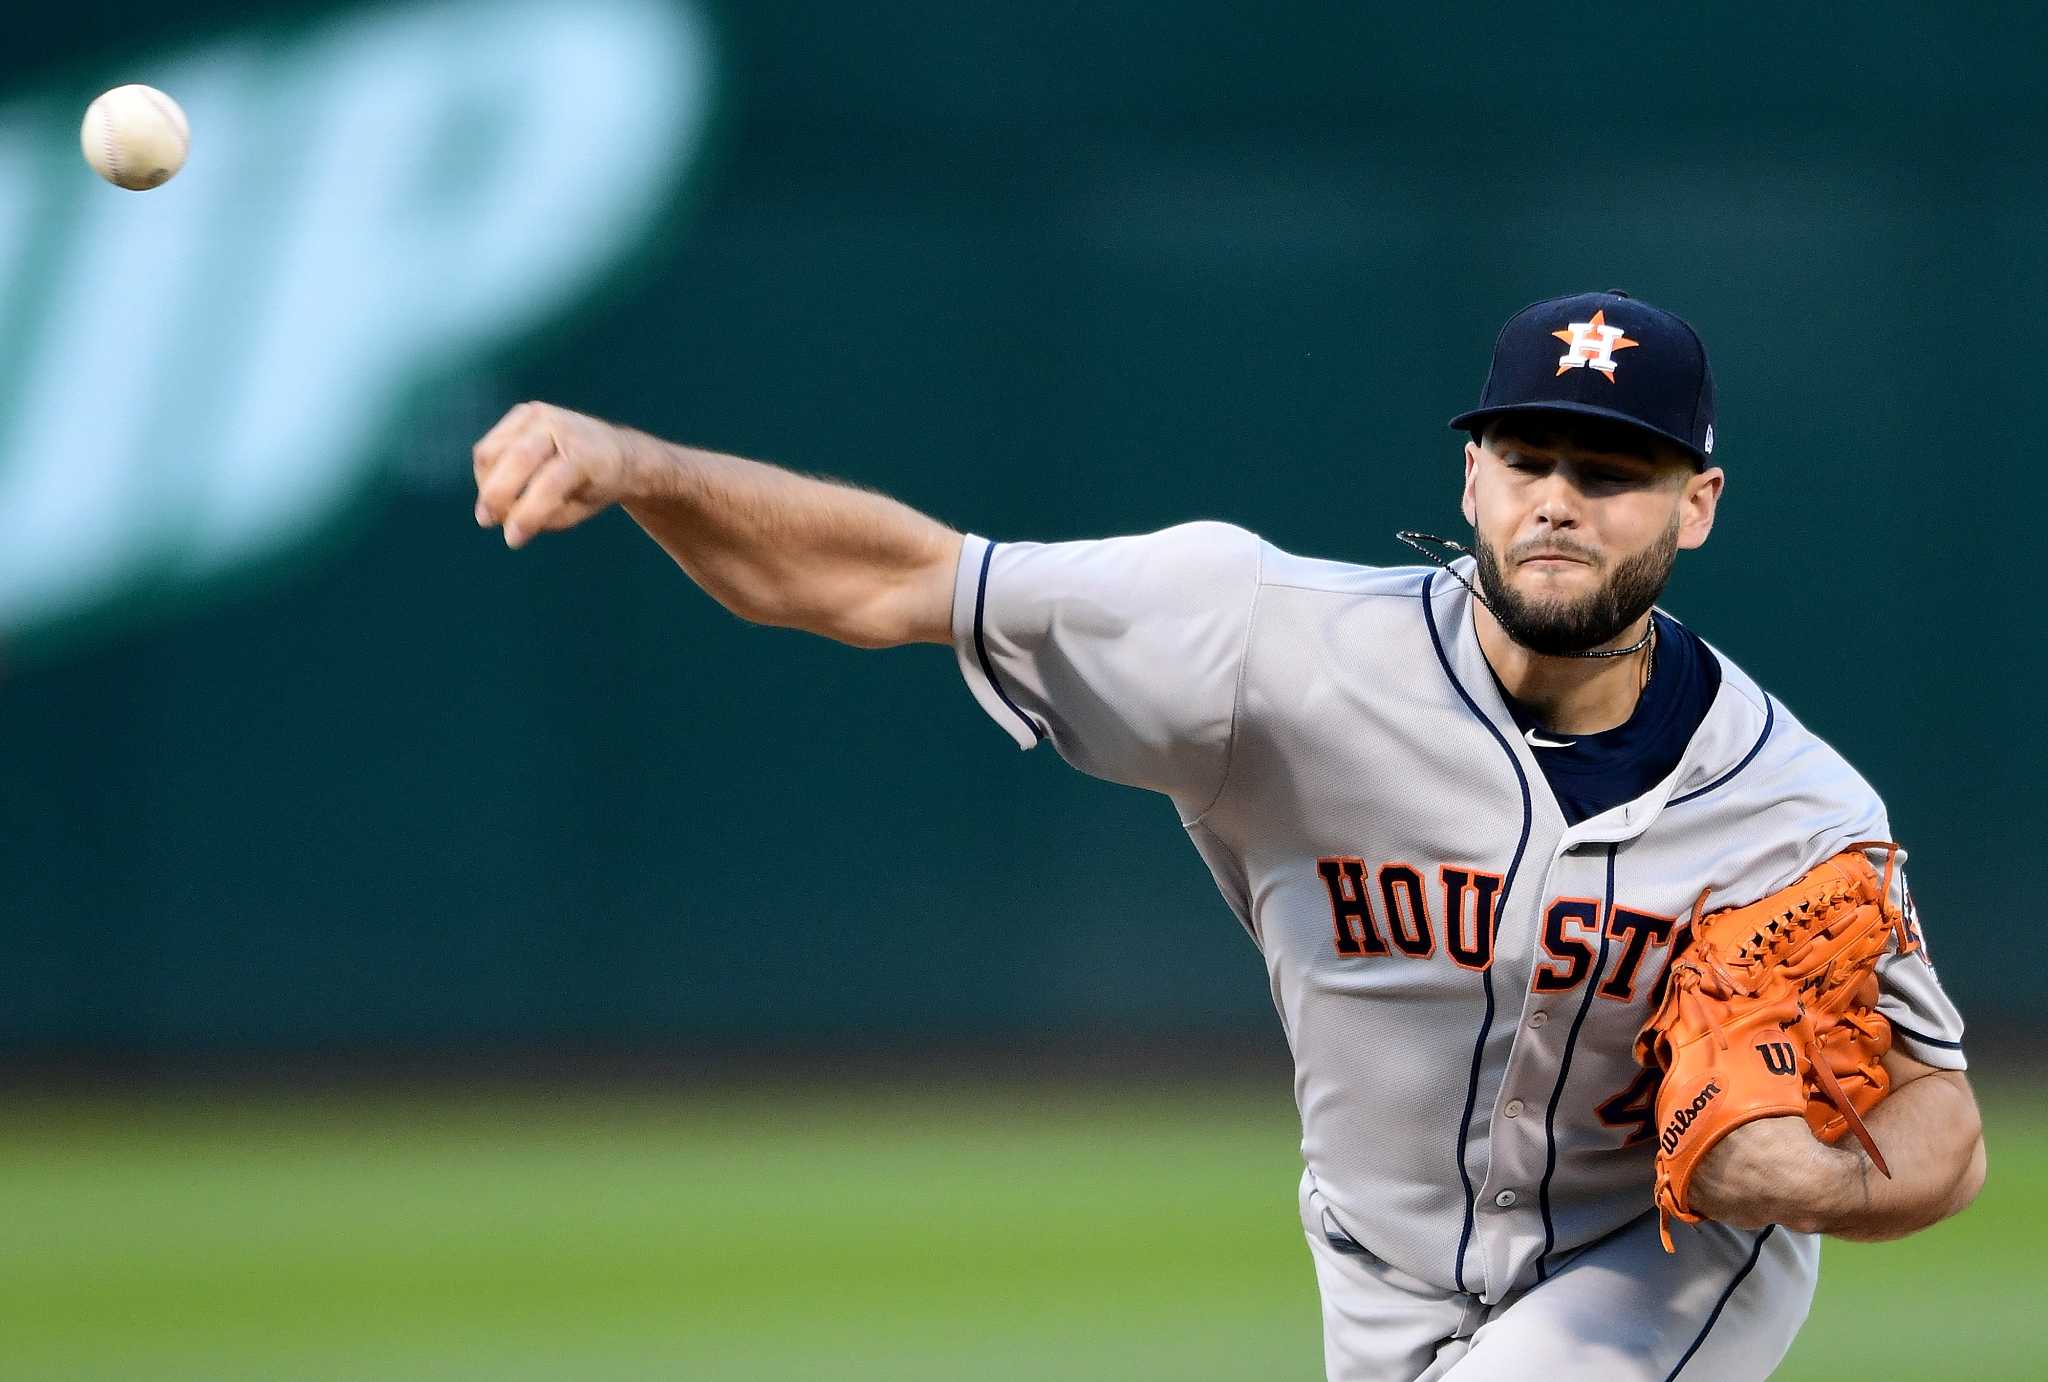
(1772,1010)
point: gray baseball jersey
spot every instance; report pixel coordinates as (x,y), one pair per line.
(1460,974)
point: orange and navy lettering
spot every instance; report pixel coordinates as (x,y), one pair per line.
(1562,919)
(1350,911)
(1572,926)
(1469,927)
(1637,931)
(1407,911)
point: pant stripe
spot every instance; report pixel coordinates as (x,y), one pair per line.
(1747,1267)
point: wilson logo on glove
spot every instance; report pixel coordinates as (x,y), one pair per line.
(1778,1058)
(1683,1119)
(1793,977)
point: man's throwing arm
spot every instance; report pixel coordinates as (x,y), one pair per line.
(772,546)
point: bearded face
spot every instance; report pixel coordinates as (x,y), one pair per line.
(1548,613)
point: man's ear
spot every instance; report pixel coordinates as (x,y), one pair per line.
(1696,509)
(1466,502)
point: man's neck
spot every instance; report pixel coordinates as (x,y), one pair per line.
(1570,695)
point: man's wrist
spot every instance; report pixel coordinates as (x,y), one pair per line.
(1835,1190)
(647,466)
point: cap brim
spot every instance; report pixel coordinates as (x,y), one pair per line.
(1467,422)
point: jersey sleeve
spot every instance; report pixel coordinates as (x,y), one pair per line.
(1925,1022)
(1125,652)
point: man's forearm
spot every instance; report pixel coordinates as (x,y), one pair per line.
(780,548)
(1930,1133)
(770,545)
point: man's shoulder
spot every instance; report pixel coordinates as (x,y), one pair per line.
(1788,760)
(1281,570)
(1206,547)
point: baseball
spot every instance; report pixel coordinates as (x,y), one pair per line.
(135,137)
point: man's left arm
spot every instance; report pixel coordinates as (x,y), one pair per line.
(1776,1171)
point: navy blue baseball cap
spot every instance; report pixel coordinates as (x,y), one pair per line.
(1604,355)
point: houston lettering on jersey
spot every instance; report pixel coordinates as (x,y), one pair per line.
(1386,912)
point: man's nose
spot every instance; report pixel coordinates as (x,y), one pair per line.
(1557,505)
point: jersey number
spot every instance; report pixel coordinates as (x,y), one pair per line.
(1634,1108)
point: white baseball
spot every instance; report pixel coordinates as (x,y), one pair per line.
(135,137)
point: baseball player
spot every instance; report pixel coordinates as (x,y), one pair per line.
(1462,808)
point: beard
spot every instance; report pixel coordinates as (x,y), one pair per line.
(1559,625)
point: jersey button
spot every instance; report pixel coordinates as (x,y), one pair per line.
(1513,1109)
(1505,1199)
(1538,1019)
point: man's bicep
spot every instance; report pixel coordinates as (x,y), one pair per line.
(1124,652)
(1901,1069)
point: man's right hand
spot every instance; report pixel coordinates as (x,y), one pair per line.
(543,469)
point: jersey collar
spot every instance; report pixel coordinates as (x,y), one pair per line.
(1733,731)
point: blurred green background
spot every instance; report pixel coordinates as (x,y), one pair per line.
(377,901)
(1076,1230)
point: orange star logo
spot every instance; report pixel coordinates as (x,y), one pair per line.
(1592,343)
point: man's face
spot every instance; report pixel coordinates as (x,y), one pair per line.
(1577,530)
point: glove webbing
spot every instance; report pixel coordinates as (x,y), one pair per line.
(1756,952)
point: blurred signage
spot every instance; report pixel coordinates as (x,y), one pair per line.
(204,376)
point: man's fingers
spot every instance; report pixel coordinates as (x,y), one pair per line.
(485,453)
(567,514)
(547,504)
(517,462)
(528,481)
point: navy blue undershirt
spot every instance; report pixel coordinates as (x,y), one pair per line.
(1600,771)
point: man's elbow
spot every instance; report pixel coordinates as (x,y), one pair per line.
(861,606)
(1971,1182)
(884,620)
(911,606)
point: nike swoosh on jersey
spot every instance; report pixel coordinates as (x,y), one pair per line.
(1538,742)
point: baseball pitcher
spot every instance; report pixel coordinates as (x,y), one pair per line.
(1605,988)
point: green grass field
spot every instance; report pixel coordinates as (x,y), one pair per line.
(902,1234)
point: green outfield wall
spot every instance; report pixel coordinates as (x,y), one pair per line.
(294,754)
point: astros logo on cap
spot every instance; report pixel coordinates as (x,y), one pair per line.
(1592,343)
